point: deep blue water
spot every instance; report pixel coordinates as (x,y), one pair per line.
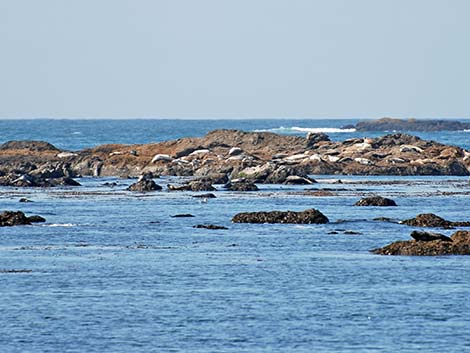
(113,272)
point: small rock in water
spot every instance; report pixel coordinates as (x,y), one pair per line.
(205,196)
(210,226)
(183,215)
(24,199)
(375,201)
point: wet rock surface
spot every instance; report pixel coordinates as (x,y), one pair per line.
(243,185)
(311,216)
(16,218)
(432,220)
(459,244)
(210,226)
(145,184)
(375,201)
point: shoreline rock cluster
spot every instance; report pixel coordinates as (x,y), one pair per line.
(223,156)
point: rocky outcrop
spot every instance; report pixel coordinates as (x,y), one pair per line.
(390,124)
(375,201)
(432,220)
(144,184)
(15,218)
(310,216)
(241,185)
(459,244)
(258,156)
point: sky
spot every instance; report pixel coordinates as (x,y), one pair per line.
(234,59)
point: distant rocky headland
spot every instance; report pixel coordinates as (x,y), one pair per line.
(231,155)
(390,124)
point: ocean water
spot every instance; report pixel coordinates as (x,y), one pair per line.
(112,271)
(78,134)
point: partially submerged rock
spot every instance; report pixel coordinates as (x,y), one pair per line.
(15,218)
(144,185)
(375,201)
(182,215)
(432,220)
(242,185)
(311,216)
(210,226)
(459,244)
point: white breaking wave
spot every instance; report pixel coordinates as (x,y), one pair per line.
(60,225)
(306,129)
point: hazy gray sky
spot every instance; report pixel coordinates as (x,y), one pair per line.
(230,59)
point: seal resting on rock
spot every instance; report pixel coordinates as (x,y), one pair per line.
(459,245)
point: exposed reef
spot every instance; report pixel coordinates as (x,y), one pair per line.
(224,155)
(391,124)
(429,244)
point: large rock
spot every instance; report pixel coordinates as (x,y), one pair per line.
(459,245)
(375,201)
(15,218)
(144,185)
(432,220)
(242,185)
(310,216)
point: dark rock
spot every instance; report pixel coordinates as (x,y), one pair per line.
(210,226)
(333,232)
(460,245)
(375,201)
(205,196)
(24,199)
(386,219)
(12,218)
(183,215)
(432,220)
(428,236)
(314,138)
(311,216)
(144,185)
(389,124)
(244,185)
(351,232)
(36,219)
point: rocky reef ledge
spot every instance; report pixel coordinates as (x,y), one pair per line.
(391,124)
(259,157)
(429,244)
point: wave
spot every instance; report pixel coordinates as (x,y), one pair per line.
(292,129)
(60,225)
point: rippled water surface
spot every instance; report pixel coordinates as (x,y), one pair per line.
(112,271)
